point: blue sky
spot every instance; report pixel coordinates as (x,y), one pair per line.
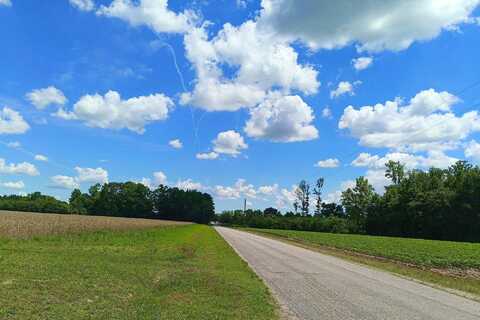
(259,95)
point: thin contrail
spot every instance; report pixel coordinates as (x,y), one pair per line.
(182,81)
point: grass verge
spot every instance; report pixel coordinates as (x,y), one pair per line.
(171,272)
(406,257)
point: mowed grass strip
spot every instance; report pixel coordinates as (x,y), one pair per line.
(423,253)
(26,225)
(181,272)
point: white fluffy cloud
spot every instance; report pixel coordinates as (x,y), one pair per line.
(362,63)
(110,111)
(229,142)
(41,98)
(433,159)
(372,25)
(328,163)
(7,3)
(423,124)
(240,189)
(189,184)
(87,175)
(20,168)
(207,155)
(40,157)
(91,175)
(282,119)
(154,14)
(268,189)
(472,150)
(261,62)
(83,5)
(176,143)
(14,185)
(344,87)
(11,122)
(64,182)
(159,178)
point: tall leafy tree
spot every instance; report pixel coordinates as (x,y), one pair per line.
(357,202)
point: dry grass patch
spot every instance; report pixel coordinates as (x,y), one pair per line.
(26,225)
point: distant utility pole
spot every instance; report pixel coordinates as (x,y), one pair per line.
(244,205)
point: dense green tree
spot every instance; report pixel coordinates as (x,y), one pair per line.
(358,201)
(272,212)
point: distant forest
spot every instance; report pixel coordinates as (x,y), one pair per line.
(442,204)
(127,199)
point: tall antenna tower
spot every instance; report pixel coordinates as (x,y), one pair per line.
(244,205)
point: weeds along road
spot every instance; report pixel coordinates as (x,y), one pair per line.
(311,285)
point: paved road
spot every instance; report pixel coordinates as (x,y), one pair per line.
(312,285)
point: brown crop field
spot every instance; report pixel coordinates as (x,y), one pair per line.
(26,225)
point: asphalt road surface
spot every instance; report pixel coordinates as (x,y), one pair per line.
(311,285)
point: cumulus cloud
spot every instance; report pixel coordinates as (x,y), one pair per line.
(159,178)
(328,163)
(240,189)
(7,3)
(84,175)
(261,62)
(229,142)
(372,25)
(189,184)
(11,122)
(154,14)
(41,98)
(472,150)
(91,175)
(14,185)
(282,119)
(362,63)
(40,157)
(176,144)
(83,5)
(110,111)
(64,182)
(268,189)
(20,168)
(344,87)
(425,123)
(433,159)
(207,156)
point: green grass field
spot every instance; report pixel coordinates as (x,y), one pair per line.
(425,253)
(171,272)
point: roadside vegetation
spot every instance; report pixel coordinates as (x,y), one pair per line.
(129,199)
(179,272)
(439,204)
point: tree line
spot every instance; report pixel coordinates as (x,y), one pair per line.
(128,199)
(442,204)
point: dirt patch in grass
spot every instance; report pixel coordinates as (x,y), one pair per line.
(23,225)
